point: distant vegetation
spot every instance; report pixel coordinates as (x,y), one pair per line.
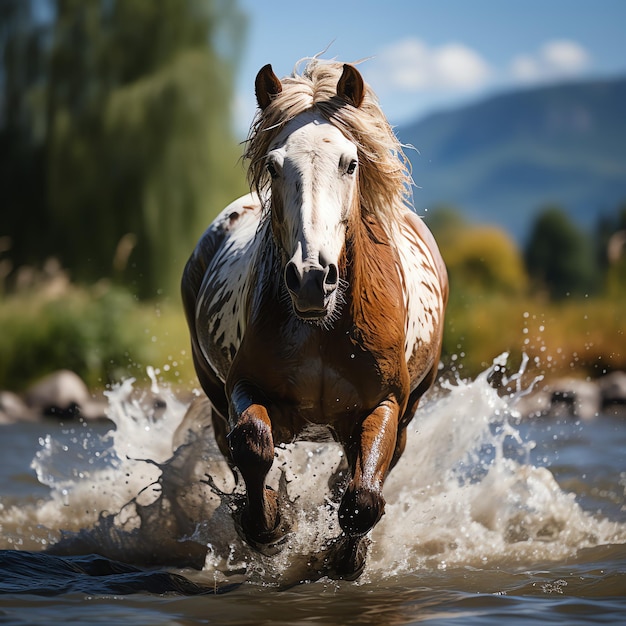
(561,300)
(116,152)
(101,332)
(115,145)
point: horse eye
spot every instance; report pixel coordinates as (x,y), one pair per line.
(271,169)
(351,167)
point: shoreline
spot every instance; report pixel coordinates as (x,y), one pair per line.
(63,395)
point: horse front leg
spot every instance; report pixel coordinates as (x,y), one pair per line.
(370,451)
(252,451)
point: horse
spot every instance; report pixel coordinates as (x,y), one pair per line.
(316,302)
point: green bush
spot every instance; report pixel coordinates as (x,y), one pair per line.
(559,256)
(95,332)
(582,335)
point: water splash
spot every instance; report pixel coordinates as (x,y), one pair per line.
(466,494)
(154,489)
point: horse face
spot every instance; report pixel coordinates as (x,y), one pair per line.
(314,185)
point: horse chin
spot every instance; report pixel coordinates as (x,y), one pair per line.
(323,317)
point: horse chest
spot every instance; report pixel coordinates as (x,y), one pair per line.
(322,390)
(311,377)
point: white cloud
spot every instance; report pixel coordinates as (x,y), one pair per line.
(447,75)
(560,58)
(410,65)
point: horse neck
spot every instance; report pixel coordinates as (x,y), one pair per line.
(266,266)
(375,291)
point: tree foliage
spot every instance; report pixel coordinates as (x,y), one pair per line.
(610,250)
(118,137)
(558,256)
(478,257)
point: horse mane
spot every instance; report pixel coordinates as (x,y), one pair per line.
(384,181)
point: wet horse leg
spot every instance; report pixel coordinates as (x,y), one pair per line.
(252,451)
(220,432)
(409,413)
(370,452)
(406,418)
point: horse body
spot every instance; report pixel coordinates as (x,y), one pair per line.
(308,312)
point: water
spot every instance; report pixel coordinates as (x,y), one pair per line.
(488,519)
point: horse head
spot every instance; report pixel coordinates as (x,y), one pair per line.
(313,171)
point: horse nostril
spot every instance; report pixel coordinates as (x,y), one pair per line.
(332,277)
(292,277)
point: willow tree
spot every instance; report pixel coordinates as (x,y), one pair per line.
(139,152)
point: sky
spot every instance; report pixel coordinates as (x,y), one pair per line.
(421,56)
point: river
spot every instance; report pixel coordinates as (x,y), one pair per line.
(490,519)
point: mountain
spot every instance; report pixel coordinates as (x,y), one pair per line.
(502,159)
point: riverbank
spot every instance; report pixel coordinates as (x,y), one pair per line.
(63,395)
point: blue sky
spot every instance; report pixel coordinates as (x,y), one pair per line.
(427,55)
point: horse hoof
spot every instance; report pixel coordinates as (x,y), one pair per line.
(348,560)
(267,542)
(271,542)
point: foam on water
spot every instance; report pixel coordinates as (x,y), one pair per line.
(155,490)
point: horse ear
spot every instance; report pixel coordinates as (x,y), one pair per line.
(266,85)
(350,86)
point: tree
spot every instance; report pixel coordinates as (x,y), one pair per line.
(138,152)
(558,256)
(478,257)
(610,250)
(23,219)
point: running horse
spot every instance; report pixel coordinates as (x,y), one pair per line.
(317,301)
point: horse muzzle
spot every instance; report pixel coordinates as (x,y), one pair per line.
(312,289)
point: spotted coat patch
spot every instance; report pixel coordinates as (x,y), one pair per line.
(222,303)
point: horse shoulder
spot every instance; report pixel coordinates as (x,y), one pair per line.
(213,284)
(210,242)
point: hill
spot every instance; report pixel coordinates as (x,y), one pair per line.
(501,159)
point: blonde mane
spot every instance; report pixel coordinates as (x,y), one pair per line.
(384,180)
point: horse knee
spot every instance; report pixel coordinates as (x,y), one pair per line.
(360,509)
(252,451)
(252,447)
